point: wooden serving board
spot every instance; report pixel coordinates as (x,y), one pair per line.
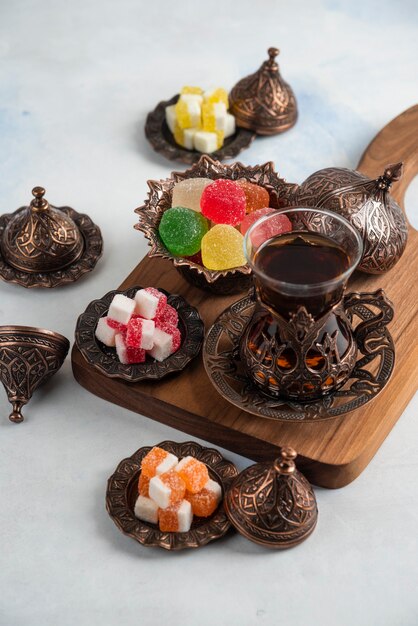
(334,452)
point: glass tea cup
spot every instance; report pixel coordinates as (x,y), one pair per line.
(299,343)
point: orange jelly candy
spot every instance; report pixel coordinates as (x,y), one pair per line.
(204,503)
(155,459)
(143,485)
(176,485)
(168,519)
(256,197)
(194,473)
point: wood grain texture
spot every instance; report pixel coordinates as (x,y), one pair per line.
(332,453)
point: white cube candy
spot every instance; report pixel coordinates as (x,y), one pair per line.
(149,302)
(205,142)
(219,111)
(194,110)
(146,510)
(168,463)
(192,97)
(163,345)
(121,349)
(184,516)
(188,192)
(188,138)
(214,488)
(104,333)
(160,492)
(229,125)
(170,117)
(121,309)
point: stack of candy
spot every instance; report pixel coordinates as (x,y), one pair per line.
(200,119)
(210,217)
(145,324)
(171,492)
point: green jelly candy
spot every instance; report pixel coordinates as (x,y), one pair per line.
(182,230)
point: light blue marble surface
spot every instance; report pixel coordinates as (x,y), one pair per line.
(76,82)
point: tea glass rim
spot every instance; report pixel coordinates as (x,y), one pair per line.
(300,288)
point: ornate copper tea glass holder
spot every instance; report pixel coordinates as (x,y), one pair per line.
(28,358)
(46,246)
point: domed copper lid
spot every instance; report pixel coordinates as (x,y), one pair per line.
(272,503)
(41,238)
(263,101)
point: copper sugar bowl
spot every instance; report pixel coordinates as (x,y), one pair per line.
(300,344)
(41,238)
(367,205)
(263,101)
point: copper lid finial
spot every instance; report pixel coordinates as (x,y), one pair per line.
(39,203)
(286,463)
(263,101)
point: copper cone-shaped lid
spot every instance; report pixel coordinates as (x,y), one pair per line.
(263,101)
(41,238)
(272,503)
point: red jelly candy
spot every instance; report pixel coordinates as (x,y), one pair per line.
(253,217)
(271,227)
(223,202)
(116,325)
(168,319)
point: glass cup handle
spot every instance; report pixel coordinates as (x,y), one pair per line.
(375,323)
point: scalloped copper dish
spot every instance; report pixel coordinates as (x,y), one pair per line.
(159,199)
(92,251)
(122,491)
(162,140)
(221,358)
(105,360)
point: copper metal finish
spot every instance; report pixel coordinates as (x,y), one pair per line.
(159,199)
(105,359)
(163,142)
(371,373)
(263,101)
(122,491)
(46,246)
(28,358)
(273,504)
(367,205)
(310,376)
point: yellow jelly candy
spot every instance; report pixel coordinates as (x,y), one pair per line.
(220,138)
(194,90)
(222,248)
(217,95)
(188,113)
(178,134)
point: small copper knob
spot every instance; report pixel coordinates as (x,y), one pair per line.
(286,463)
(273,53)
(39,203)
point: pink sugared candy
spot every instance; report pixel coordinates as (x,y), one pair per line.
(223,202)
(140,333)
(250,218)
(165,343)
(168,319)
(121,328)
(150,302)
(121,309)
(127,355)
(270,228)
(105,333)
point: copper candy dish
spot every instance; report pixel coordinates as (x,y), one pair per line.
(163,142)
(28,358)
(273,504)
(105,360)
(159,199)
(263,101)
(122,492)
(372,371)
(46,246)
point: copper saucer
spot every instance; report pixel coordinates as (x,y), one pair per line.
(374,366)
(105,359)
(122,491)
(92,251)
(162,140)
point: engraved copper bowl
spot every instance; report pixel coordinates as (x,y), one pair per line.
(162,140)
(159,199)
(28,358)
(122,491)
(105,360)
